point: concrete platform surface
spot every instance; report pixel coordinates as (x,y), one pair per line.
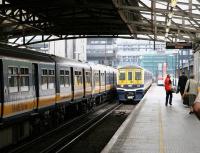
(154,128)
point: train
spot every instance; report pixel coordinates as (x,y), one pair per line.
(132,83)
(37,86)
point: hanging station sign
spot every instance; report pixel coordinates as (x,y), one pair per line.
(179,45)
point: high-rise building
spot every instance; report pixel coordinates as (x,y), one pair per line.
(102,51)
(130,51)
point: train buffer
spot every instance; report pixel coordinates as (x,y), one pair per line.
(154,128)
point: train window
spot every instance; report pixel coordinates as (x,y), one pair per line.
(80,77)
(44,81)
(97,77)
(67,78)
(102,78)
(138,76)
(122,76)
(130,75)
(76,77)
(62,78)
(51,81)
(88,80)
(24,79)
(66,72)
(76,72)
(13,79)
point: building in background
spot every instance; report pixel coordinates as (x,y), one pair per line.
(102,51)
(72,48)
(129,51)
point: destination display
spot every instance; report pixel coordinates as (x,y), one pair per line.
(179,45)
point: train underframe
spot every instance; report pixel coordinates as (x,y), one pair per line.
(19,129)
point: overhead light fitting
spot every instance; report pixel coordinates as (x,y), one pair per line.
(169,22)
(173,3)
(170,15)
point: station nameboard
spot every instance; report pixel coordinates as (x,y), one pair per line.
(179,45)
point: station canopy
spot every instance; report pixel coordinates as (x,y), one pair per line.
(157,20)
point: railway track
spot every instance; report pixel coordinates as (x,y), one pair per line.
(62,137)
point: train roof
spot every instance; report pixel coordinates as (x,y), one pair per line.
(70,62)
(131,67)
(27,54)
(21,53)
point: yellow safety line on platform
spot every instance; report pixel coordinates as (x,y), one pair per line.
(162,148)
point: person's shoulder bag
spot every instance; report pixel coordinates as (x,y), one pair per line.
(186,96)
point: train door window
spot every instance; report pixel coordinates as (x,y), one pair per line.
(102,78)
(80,77)
(44,81)
(107,78)
(96,77)
(62,78)
(13,79)
(138,76)
(130,75)
(76,78)
(24,79)
(51,79)
(88,80)
(67,83)
(122,76)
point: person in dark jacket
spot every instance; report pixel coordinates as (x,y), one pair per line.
(181,83)
(168,89)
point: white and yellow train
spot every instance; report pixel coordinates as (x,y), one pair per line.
(132,83)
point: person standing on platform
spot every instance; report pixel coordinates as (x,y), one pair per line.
(191,90)
(168,89)
(181,83)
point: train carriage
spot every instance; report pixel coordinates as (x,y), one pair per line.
(64,83)
(133,82)
(46,85)
(36,88)
(18,94)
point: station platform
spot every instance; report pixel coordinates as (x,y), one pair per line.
(154,128)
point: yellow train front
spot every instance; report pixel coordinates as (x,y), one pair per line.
(132,83)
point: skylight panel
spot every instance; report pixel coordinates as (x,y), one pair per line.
(148,3)
(161,6)
(177,21)
(195,2)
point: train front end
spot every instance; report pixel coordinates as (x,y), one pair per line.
(130,85)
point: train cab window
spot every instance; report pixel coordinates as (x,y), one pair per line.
(24,79)
(44,81)
(130,75)
(122,76)
(138,76)
(51,79)
(13,79)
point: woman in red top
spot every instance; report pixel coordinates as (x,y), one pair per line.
(168,89)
